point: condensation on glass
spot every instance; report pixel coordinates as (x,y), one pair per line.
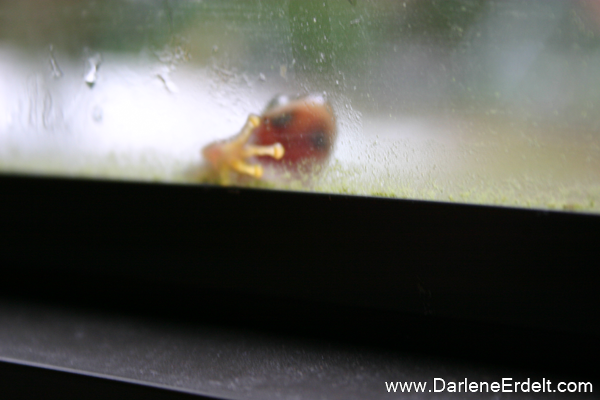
(492,102)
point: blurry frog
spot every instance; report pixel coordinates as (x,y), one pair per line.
(293,133)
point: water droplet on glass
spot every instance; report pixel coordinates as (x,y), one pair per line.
(55,69)
(48,116)
(283,71)
(247,80)
(93,63)
(165,77)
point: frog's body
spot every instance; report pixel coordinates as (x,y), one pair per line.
(305,127)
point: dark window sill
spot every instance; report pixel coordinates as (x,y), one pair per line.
(272,281)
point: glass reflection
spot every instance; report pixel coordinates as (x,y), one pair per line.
(477,101)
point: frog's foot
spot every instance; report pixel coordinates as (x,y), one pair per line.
(242,138)
(231,155)
(243,167)
(276,151)
(248,150)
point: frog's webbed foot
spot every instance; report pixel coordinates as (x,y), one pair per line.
(232,155)
(252,123)
(276,151)
(248,150)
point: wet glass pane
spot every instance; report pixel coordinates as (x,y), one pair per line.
(475,101)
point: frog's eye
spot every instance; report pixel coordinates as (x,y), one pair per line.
(320,140)
(281,121)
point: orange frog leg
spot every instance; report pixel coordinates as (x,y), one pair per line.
(232,154)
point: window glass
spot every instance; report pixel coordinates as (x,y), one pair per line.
(492,102)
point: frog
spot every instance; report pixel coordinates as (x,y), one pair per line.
(293,132)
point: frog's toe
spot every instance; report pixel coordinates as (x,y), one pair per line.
(276,151)
(242,167)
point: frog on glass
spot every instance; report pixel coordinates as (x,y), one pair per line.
(293,134)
